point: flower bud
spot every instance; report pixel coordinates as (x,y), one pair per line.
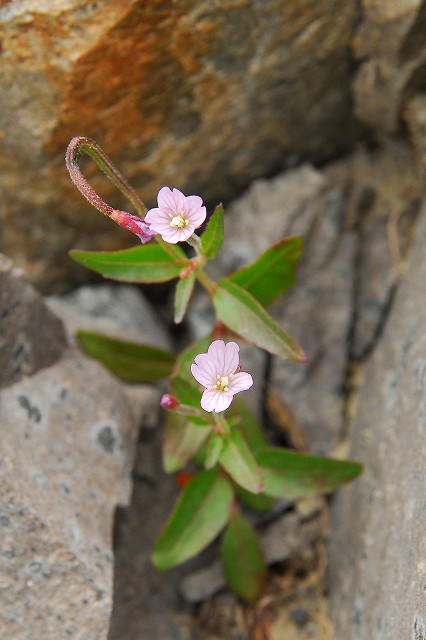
(169,402)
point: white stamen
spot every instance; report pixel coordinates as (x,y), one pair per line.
(179,221)
(222,383)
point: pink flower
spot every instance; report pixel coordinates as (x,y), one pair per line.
(218,371)
(177,216)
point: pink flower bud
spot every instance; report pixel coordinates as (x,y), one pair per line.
(169,402)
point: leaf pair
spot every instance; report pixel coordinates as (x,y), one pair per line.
(203,510)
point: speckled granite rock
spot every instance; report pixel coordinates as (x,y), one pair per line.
(199,96)
(67,432)
(378,547)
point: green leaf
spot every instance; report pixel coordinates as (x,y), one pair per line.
(256,502)
(212,238)
(272,273)
(201,512)
(239,462)
(130,361)
(186,392)
(184,289)
(182,368)
(241,312)
(292,475)
(182,440)
(146,263)
(242,558)
(248,425)
(213,450)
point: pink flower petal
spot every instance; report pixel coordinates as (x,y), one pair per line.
(213,400)
(152,215)
(202,376)
(216,352)
(240,382)
(198,217)
(208,365)
(165,199)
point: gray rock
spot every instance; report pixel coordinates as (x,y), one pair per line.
(67,438)
(68,434)
(116,310)
(317,312)
(31,337)
(378,547)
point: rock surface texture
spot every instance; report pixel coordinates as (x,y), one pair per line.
(378,548)
(175,92)
(391,48)
(67,435)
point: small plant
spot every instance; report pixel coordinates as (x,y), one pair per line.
(234,463)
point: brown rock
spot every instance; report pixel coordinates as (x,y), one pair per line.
(390,42)
(199,97)
(415,117)
(378,547)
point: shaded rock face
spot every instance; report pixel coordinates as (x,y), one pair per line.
(176,93)
(31,337)
(378,548)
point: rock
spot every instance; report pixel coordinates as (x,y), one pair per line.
(415,117)
(68,439)
(378,547)
(356,218)
(268,211)
(116,310)
(201,97)
(31,337)
(67,452)
(391,46)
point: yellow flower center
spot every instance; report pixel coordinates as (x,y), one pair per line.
(222,383)
(179,221)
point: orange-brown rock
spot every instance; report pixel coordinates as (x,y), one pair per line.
(198,95)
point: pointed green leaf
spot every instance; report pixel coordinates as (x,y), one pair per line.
(201,512)
(146,263)
(241,312)
(182,440)
(292,475)
(184,289)
(239,462)
(242,558)
(130,361)
(212,238)
(182,368)
(213,450)
(272,273)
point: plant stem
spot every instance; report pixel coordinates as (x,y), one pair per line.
(221,425)
(209,285)
(81,144)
